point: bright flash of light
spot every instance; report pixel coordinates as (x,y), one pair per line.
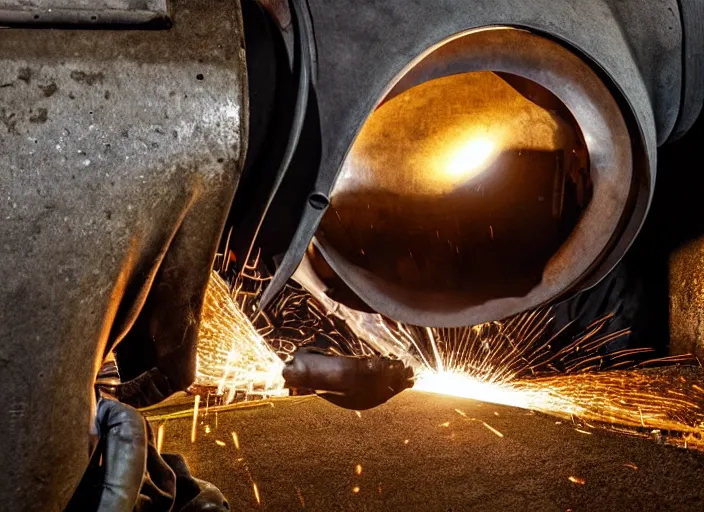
(232,355)
(637,401)
(471,158)
(463,386)
(511,362)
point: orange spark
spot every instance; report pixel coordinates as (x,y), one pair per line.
(232,355)
(160,437)
(577,480)
(256,493)
(194,426)
(492,429)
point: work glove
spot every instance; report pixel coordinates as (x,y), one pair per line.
(128,474)
(357,383)
(116,470)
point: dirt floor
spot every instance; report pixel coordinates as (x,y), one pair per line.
(430,453)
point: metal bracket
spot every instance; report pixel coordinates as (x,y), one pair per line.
(98,13)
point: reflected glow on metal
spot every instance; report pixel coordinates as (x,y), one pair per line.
(471,158)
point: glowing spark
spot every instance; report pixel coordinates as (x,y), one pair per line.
(236,440)
(507,362)
(438,360)
(406,441)
(194,426)
(256,493)
(232,355)
(510,363)
(446,424)
(220,443)
(577,480)
(207,429)
(160,437)
(583,431)
(358,470)
(618,398)
(631,466)
(461,413)
(492,429)
(300,498)
(355,489)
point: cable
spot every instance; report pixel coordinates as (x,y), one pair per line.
(303,39)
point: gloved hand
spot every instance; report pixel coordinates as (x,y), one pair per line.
(124,456)
(117,467)
(127,473)
(357,383)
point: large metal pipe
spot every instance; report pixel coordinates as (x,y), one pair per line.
(614,72)
(461,217)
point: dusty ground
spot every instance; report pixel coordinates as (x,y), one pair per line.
(418,453)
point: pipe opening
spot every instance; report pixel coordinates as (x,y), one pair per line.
(464,184)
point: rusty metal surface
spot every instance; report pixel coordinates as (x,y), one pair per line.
(119,155)
(687,299)
(611,162)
